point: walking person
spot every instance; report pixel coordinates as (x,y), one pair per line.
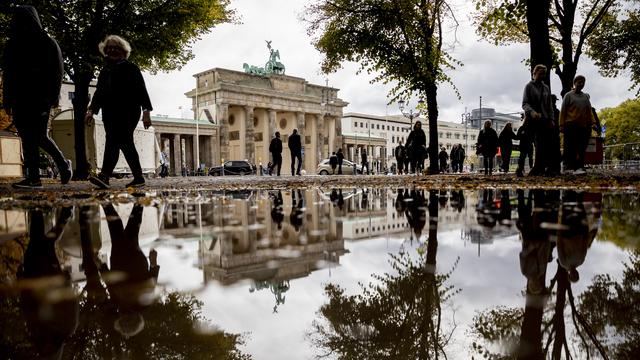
(333,162)
(576,120)
(121,94)
(401,154)
(487,146)
(460,156)
(295,147)
(32,77)
(417,147)
(538,107)
(164,164)
(525,136)
(452,158)
(443,157)
(365,163)
(505,141)
(340,156)
(275,148)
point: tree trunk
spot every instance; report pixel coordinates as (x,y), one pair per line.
(432,113)
(80,105)
(569,67)
(538,27)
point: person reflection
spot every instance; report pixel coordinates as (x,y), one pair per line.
(416,212)
(400,203)
(131,279)
(486,209)
(442,199)
(277,214)
(47,300)
(364,200)
(297,206)
(340,201)
(534,258)
(575,238)
(505,208)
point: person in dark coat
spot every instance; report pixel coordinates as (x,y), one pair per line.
(538,107)
(32,76)
(487,146)
(401,154)
(275,148)
(417,147)
(295,146)
(452,158)
(505,141)
(121,94)
(460,156)
(333,162)
(443,157)
(340,156)
(525,136)
(365,162)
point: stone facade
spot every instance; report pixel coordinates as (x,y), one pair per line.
(249,109)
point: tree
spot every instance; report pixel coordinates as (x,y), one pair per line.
(160,31)
(568,24)
(397,317)
(401,40)
(614,45)
(622,128)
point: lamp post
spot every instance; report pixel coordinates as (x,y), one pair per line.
(410,113)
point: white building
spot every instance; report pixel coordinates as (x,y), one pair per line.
(382,134)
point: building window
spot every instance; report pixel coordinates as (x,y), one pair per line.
(388,127)
(71,95)
(457,136)
(448,135)
(393,139)
(355,124)
(473,137)
(464,136)
(440,135)
(378,127)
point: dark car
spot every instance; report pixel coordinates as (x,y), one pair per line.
(233,167)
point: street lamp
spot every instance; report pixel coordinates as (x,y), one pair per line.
(410,113)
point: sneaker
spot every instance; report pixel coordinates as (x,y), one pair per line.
(101,181)
(580,171)
(27,184)
(137,182)
(66,174)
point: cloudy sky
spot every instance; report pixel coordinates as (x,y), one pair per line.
(498,74)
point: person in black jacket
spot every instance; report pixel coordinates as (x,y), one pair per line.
(120,94)
(401,154)
(443,157)
(32,76)
(340,156)
(505,140)
(275,148)
(417,147)
(295,146)
(333,161)
(487,145)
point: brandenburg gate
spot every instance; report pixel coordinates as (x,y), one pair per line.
(249,107)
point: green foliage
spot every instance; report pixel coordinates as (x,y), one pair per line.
(402,40)
(160,31)
(397,317)
(612,308)
(621,220)
(615,46)
(622,128)
(571,25)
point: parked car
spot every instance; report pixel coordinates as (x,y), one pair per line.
(347,168)
(233,167)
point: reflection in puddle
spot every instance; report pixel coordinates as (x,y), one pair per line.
(359,273)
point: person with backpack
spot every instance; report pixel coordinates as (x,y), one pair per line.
(505,141)
(443,157)
(487,146)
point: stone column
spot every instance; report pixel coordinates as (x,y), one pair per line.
(320,137)
(176,156)
(300,125)
(194,147)
(223,110)
(272,123)
(249,141)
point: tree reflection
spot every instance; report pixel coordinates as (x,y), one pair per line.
(397,317)
(540,330)
(49,320)
(611,307)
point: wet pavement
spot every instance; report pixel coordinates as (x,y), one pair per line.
(298,273)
